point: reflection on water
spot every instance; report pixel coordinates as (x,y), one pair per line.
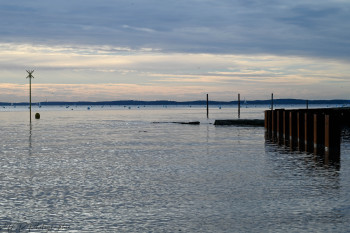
(113,171)
(306,161)
(30,139)
(345,135)
(319,158)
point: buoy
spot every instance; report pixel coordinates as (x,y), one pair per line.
(37,115)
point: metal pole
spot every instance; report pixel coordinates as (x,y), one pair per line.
(207,106)
(239,105)
(30,76)
(30,99)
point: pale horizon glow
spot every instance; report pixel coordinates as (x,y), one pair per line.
(251,50)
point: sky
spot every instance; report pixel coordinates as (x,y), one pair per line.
(105,50)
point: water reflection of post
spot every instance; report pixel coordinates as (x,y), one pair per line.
(207,139)
(30,139)
(315,160)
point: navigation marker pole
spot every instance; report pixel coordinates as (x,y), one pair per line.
(30,76)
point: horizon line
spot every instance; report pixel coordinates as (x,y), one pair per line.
(122,102)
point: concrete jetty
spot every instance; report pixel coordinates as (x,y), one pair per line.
(241,122)
(178,122)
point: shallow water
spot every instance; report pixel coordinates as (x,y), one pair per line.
(113,170)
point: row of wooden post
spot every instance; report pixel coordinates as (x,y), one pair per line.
(239,105)
(317,131)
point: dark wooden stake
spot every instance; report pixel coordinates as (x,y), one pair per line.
(207,106)
(239,105)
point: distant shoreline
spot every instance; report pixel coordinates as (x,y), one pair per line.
(198,102)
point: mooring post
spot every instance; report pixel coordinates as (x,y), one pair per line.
(271,101)
(292,129)
(301,129)
(286,127)
(309,134)
(239,105)
(266,113)
(279,116)
(319,127)
(268,123)
(332,137)
(207,106)
(274,124)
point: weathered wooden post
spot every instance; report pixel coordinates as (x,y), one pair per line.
(239,105)
(268,123)
(319,126)
(274,124)
(279,126)
(271,101)
(292,129)
(332,137)
(207,106)
(286,127)
(309,133)
(307,104)
(266,119)
(301,129)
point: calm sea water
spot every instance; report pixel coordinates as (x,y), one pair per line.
(110,169)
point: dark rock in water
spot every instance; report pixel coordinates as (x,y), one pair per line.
(37,115)
(189,123)
(241,122)
(180,122)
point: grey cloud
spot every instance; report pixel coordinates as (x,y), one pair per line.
(318,28)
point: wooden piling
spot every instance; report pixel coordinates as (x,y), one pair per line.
(316,131)
(239,105)
(286,127)
(319,129)
(279,126)
(268,123)
(309,134)
(266,119)
(332,137)
(292,129)
(271,101)
(274,124)
(301,130)
(207,106)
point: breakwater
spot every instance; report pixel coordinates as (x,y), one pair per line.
(316,131)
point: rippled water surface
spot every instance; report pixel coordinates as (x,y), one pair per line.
(114,170)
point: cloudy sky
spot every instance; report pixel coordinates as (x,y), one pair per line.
(176,50)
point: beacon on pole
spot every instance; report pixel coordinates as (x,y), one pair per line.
(30,76)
